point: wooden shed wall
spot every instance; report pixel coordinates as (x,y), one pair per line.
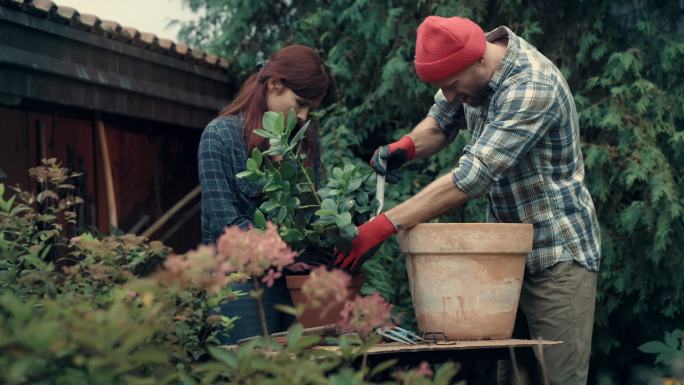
(153,166)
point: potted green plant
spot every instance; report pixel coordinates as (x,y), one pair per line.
(315,221)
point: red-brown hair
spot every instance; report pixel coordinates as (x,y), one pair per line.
(300,69)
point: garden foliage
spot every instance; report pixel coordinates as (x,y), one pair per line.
(623,64)
(119,309)
(307,217)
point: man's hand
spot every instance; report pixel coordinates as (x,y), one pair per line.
(370,237)
(396,154)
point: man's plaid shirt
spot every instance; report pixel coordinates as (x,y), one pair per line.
(226,200)
(525,154)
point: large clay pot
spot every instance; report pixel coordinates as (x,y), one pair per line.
(466,278)
(313,317)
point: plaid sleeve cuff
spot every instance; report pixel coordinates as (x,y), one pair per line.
(472,176)
(445,114)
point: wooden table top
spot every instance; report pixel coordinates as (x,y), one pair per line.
(396,347)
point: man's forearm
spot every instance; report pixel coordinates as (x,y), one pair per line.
(428,138)
(433,201)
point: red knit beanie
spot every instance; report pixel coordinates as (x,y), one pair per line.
(446,46)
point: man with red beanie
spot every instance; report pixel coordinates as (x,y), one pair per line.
(524,155)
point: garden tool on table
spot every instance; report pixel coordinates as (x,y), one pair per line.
(393,333)
(397,334)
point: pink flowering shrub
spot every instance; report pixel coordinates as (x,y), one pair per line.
(418,376)
(252,253)
(199,268)
(324,289)
(364,314)
(424,369)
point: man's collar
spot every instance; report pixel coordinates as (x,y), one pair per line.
(511,51)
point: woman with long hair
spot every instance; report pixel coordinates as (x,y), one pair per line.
(294,78)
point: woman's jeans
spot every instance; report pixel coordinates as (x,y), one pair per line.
(249,323)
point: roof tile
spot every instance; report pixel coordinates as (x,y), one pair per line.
(182,49)
(211,59)
(223,63)
(111,29)
(12,3)
(166,44)
(87,21)
(130,33)
(64,14)
(39,7)
(197,54)
(148,38)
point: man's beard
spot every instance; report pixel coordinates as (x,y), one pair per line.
(479,99)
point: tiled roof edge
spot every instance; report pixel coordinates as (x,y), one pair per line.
(66,15)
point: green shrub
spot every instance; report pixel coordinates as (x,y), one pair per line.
(122,310)
(307,217)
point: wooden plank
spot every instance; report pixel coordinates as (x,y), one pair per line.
(107,171)
(153,167)
(71,142)
(16,155)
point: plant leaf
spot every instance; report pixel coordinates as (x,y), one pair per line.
(653,347)
(269,121)
(291,121)
(257,156)
(329,204)
(300,134)
(259,219)
(343,220)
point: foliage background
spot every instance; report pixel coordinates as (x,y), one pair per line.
(623,63)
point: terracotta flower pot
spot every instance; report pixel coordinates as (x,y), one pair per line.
(466,278)
(313,317)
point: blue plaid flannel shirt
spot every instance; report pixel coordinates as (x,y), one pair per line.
(524,154)
(226,200)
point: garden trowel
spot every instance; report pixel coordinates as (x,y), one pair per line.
(380,187)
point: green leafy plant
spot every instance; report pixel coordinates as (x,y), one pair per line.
(122,310)
(71,341)
(32,223)
(307,217)
(97,270)
(669,355)
(296,360)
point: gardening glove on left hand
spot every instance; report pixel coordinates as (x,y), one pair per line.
(396,154)
(370,237)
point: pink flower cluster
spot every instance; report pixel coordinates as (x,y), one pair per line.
(364,314)
(253,253)
(415,375)
(324,289)
(198,268)
(424,369)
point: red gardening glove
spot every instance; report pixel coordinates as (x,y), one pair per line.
(396,154)
(371,235)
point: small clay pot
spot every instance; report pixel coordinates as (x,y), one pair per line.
(313,317)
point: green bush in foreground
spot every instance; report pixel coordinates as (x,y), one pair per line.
(122,310)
